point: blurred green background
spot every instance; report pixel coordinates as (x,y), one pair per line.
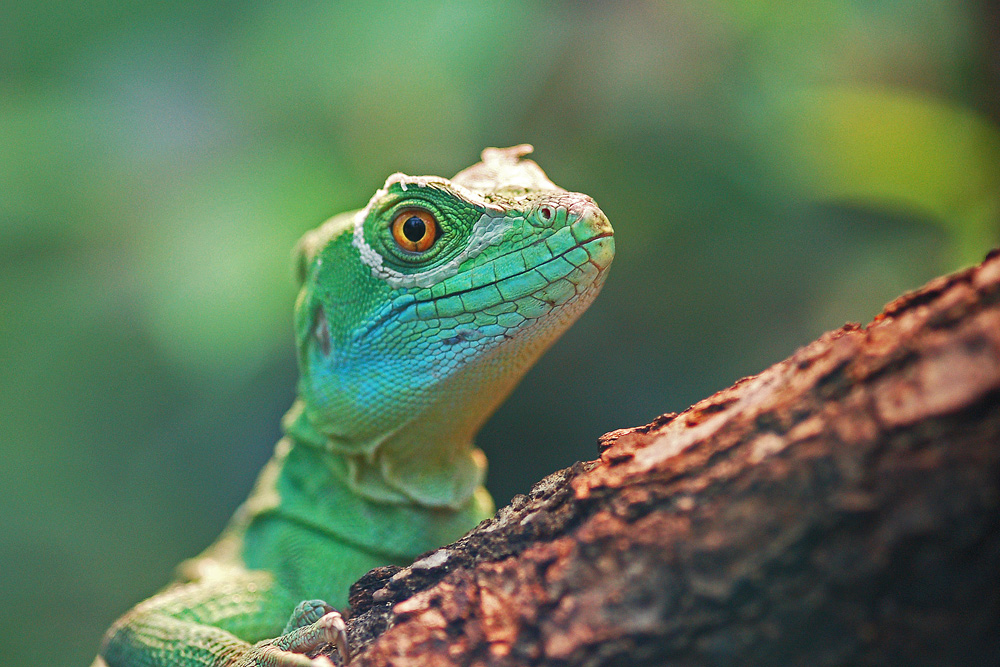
(772,170)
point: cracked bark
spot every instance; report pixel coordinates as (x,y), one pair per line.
(840,508)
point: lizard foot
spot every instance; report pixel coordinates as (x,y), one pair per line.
(306,613)
(288,650)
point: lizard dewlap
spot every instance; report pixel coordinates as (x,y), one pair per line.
(416,317)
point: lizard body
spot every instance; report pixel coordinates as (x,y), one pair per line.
(416,317)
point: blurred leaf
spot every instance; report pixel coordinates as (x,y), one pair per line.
(903,150)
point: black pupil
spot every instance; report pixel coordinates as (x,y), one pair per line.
(414,229)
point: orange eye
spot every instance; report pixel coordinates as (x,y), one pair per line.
(414,230)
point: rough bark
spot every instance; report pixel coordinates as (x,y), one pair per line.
(840,508)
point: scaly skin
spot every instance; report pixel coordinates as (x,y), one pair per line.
(403,355)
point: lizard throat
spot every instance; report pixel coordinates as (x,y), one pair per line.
(396,469)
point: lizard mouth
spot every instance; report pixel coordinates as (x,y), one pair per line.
(581,272)
(562,255)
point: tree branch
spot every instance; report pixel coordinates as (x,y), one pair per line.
(840,508)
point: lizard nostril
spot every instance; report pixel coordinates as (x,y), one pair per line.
(546,213)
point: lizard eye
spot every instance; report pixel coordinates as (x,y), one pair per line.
(414,230)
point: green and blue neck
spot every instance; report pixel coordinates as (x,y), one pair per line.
(318,482)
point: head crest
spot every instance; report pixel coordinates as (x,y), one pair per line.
(504,171)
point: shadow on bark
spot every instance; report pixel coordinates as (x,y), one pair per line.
(840,508)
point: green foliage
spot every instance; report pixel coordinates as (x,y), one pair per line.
(771,169)
(899,149)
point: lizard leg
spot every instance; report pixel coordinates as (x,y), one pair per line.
(208,623)
(288,649)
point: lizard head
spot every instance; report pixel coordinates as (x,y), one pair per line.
(422,310)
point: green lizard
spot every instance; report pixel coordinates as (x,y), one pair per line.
(416,317)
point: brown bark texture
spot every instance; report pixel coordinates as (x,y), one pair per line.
(840,508)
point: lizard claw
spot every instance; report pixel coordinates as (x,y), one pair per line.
(288,649)
(336,634)
(329,629)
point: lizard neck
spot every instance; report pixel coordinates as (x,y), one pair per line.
(417,464)
(304,485)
